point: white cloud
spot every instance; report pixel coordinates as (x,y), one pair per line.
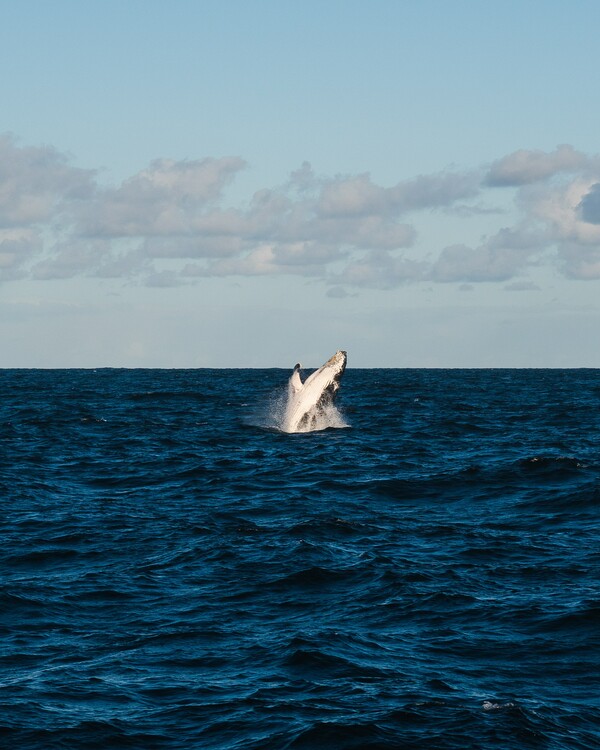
(260,261)
(197,246)
(580,262)
(17,247)
(163,279)
(441,190)
(524,167)
(353,196)
(522,286)
(484,263)
(380,269)
(163,200)
(37,184)
(298,258)
(358,196)
(74,257)
(339,292)
(498,258)
(557,210)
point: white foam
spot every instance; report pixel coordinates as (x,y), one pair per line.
(321,419)
(276,416)
(489,706)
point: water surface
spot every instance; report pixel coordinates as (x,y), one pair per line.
(174,573)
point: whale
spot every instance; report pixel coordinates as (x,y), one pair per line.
(308,400)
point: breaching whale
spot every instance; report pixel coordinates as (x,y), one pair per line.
(307,401)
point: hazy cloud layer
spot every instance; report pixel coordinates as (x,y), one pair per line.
(171,223)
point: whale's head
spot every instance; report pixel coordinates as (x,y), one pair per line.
(338,361)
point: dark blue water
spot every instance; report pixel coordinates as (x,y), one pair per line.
(175,575)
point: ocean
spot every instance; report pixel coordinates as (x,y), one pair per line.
(177,573)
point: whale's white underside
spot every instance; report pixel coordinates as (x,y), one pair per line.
(306,401)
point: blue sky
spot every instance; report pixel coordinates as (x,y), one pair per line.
(256,183)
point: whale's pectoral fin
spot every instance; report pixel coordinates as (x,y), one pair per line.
(295,381)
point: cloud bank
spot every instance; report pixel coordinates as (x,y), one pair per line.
(171,224)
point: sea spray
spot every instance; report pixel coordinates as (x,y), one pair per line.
(272,415)
(320,418)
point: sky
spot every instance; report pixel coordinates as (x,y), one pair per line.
(252,184)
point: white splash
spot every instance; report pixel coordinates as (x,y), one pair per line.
(322,418)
